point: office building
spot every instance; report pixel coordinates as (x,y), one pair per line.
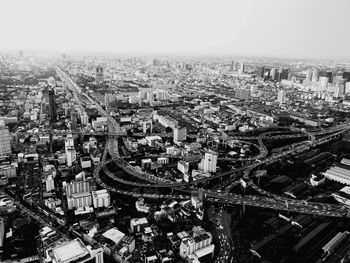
(346,76)
(281,96)
(323,82)
(283,74)
(241,68)
(260,71)
(52,106)
(78,187)
(78,194)
(328,74)
(232,66)
(273,74)
(74,119)
(101,198)
(315,75)
(99,75)
(210,161)
(180,134)
(308,75)
(70,150)
(5,145)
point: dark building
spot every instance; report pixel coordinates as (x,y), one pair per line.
(74,119)
(328,74)
(52,105)
(99,75)
(282,74)
(346,76)
(260,71)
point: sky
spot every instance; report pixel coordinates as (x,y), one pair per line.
(270,28)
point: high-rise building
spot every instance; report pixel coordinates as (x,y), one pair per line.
(308,76)
(315,75)
(70,150)
(232,66)
(99,75)
(101,198)
(282,74)
(78,194)
(109,97)
(74,119)
(5,146)
(328,74)
(323,82)
(210,160)
(281,96)
(260,71)
(339,87)
(52,105)
(346,76)
(180,134)
(241,67)
(273,73)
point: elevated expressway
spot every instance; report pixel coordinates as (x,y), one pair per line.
(268,201)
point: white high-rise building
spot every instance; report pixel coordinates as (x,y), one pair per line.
(70,150)
(5,146)
(281,96)
(315,75)
(101,198)
(323,83)
(339,87)
(241,67)
(308,75)
(210,160)
(180,134)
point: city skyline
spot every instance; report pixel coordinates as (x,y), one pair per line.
(289,29)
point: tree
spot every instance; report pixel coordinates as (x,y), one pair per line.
(168,130)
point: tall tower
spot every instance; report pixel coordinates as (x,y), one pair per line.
(260,71)
(210,160)
(5,146)
(241,68)
(315,74)
(69,150)
(52,105)
(99,75)
(232,66)
(308,75)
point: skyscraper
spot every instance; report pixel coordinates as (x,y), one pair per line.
(273,73)
(339,87)
(346,76)
(241,67)
(328,74)
(210,160)
(52,105)
(5,146)
(323,82)
(282,73)
(69,150)
(315,74)
(232,66)
(99,75)
(308,76)
(260,71)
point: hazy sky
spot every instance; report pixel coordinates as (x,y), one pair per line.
(287,28)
